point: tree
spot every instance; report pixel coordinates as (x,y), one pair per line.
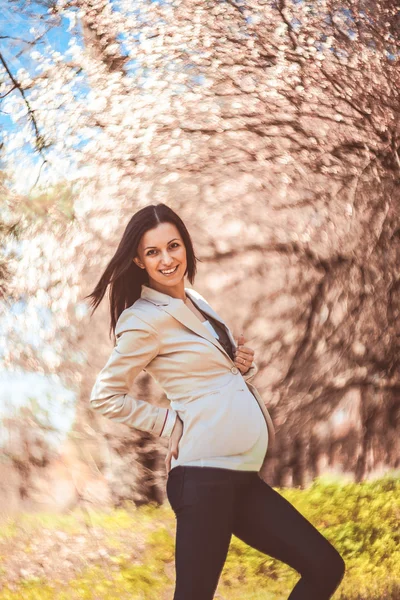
(272,128)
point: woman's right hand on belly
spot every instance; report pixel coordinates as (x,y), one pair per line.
(174,439)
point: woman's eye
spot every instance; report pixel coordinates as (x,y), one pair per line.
(172,245)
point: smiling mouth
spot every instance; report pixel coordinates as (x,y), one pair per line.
(171,272)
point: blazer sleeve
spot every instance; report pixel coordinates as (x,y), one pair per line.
(136,345)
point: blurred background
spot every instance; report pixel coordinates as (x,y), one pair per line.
(272,128)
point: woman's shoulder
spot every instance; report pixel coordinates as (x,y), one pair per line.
(137,316)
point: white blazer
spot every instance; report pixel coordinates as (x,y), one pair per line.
(219,407)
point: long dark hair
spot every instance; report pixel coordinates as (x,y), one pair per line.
(123,276)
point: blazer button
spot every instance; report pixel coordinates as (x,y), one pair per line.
(234,370)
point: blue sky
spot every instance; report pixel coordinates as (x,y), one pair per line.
(17,53)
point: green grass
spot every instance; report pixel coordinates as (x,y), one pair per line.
(361,520)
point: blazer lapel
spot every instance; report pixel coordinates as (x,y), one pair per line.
(209,311)
(178,309)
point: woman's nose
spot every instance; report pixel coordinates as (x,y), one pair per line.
(166,260)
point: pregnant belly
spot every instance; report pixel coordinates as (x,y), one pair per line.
(219,423)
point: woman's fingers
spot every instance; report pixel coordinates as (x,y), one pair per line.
(243,358)
(174,449)
(173,445)
(171,452)
(244,355)
(246,351)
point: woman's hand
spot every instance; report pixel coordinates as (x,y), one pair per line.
(173,442)
(243,356)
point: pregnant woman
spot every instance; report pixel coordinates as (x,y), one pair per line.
(217,425)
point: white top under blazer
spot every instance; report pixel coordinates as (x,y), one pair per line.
(225,421)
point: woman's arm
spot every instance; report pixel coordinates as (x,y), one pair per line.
(137,345)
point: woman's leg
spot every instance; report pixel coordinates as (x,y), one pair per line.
(202,499)
(266,521)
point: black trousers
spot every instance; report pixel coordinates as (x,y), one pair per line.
(211,504)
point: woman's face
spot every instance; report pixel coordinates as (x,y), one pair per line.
(162,249)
